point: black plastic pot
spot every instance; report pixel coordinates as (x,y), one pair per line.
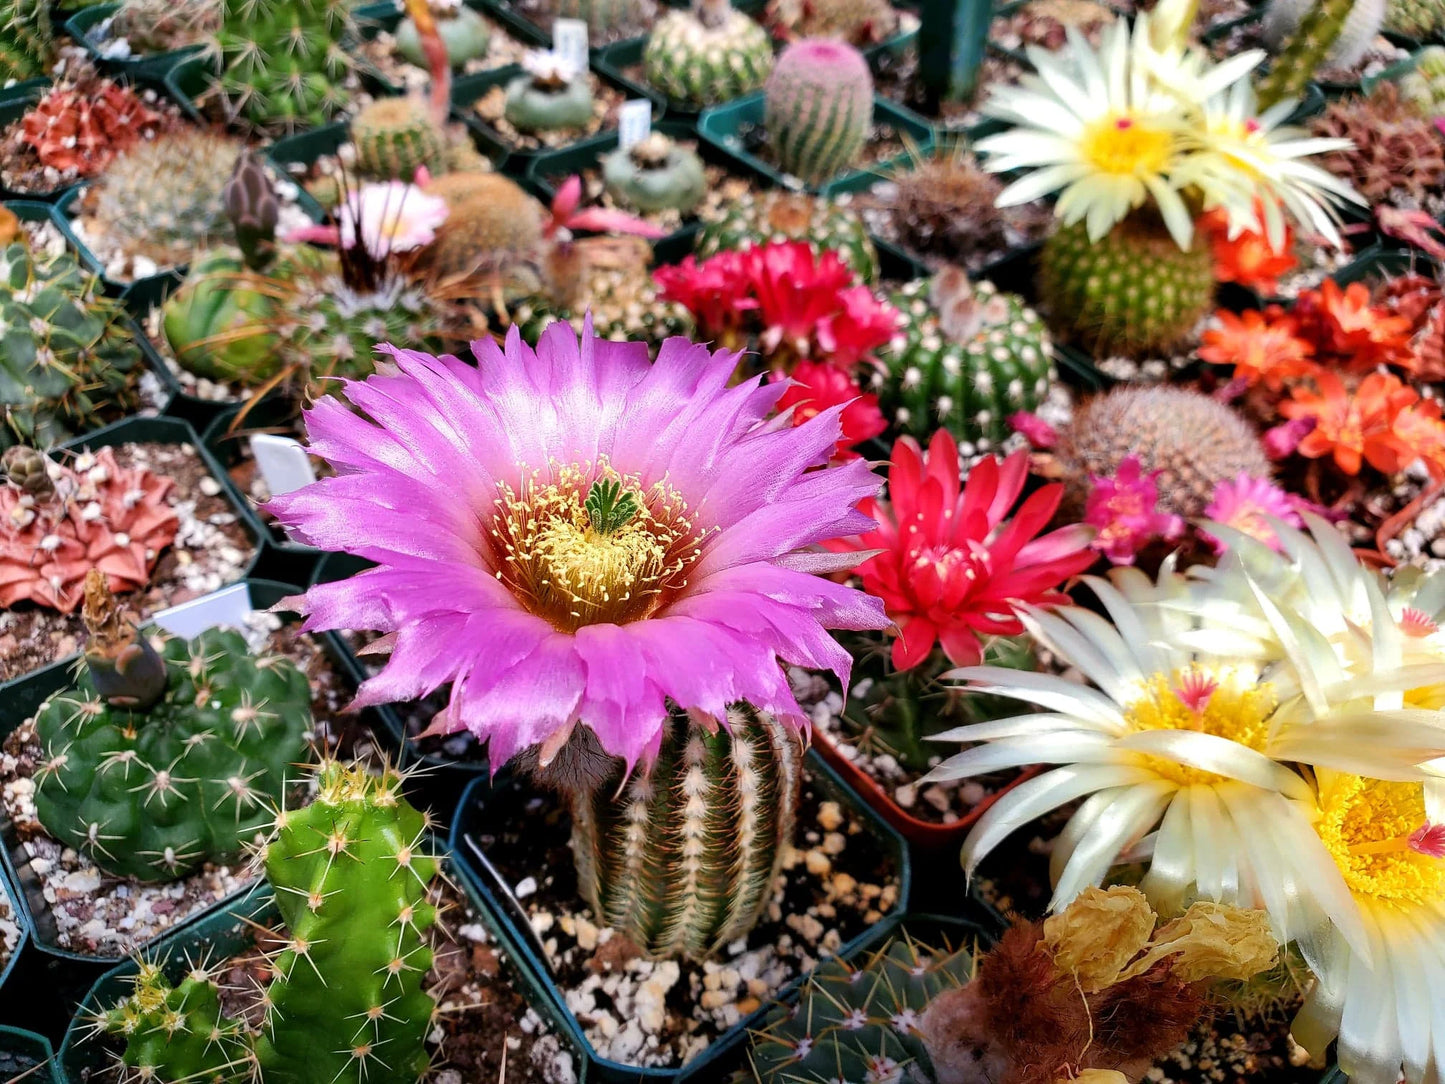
(85,27)
(28,1057)
(13,108)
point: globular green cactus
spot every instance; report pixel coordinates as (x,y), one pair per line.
(655,174)
(178,1033)
(351,873)
(818,108)
(26,39)
(164,198)
(860,1023)
(552,95)
(1424,86)
(682,857)
(282,66)
(757,218)
(1131,293)
(1308,34)
(464,33)
(394,137)
(608,20)
(68,359)
(711,54)
(154,764)
(966,358)
(345,1005)
(1414,18)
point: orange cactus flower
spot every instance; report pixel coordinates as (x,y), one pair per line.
(1365,334)
(1248,258)
(1355,427)
(1263,347)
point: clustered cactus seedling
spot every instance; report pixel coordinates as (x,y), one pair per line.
(161,26)
(943,204)
(966,358)
(1308,34)
(282,66)
(26,39)
(1424,86)
(464,33)
(154,764)
(758,218)
(345,1003)
(68,358)
(1396,148)
(655,174)
(608,20)
(80,125)
(1414,18)
(818,108)
(162,199)
(711,54)
(552,95)
(1096,987)
(394,137)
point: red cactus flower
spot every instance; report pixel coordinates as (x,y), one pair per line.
(953,567)
(849,336)
(1346,323)
(816,387)
(1263,347)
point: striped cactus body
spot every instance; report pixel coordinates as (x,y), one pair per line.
(696,63)
(818,108)
(682,860)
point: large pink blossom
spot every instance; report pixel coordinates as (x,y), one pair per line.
(482,493)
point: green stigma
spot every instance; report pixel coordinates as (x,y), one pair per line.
(609,506)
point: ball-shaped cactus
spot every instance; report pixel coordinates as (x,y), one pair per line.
(818,108)
(708,56)
(655,174)
(394,137)
(464,33)
(552,95)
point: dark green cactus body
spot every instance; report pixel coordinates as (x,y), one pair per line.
(178,1033)
(969,371)
(66,359)
(155,794)
(351,873)
(1291,71)
(1131,293)
(859,1024)
(395,137)
(758,218)
(951,44)
(283,67)
(818,108)
(26,38)
(683,859)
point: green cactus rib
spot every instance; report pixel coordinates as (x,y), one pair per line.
(817,122)
(156,794)
(26,39)
(696,65)
(395,137)
(682,858)
(282,63)
(859,1023)
(351,873)
(1291,71)
(178,1033)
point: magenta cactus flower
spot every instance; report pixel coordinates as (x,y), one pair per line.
(573,535)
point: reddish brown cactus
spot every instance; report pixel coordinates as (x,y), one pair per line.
(1396,149)
(81,125)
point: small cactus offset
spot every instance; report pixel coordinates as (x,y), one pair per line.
(26,39)
(178,1033)
(68,360)
(711,54)
(609,20)
(966,358)
(682,860)
(1133,292)
(818,108)
(1414,18)
(1309,34)
(156,763)
(282,65)
(351,873)
(1424,86)
(395,137)
(757,218)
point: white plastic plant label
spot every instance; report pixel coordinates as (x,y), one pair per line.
(569,41)
(284,464)
(227,608)
(634,122)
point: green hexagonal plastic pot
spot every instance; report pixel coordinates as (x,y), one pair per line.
(85,26)
(30,1054)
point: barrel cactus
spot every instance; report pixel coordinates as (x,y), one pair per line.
(967,357)
(1424,86)
(818,108)
(655,174)
(711,54)
(394,137)
(26,39)
(757,218)
(464,34)
(153,763)
(551,95)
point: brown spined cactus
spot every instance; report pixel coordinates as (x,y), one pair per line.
(492,225)
(1397,152)
(1193,440)
(944,204)
(58,521)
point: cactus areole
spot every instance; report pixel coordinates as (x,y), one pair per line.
(617,555)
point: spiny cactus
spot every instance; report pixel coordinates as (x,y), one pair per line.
(345,1004)
(1424,86)
(757,218)
(1396,149)
(552,95)
(80,125)
(966,358)
(711,54)
(608,20)
(655,174)
(682,857)
(858,22)
(395,137)
(944,204)
(154,764)
(1194,440)
(163,199)
(161,26)
(464,34)
(818,108)
(69,359)
(282,63)
(492,223)
(58,522)
(1414,18)
(1308,34)
(26,39)
(1131,293)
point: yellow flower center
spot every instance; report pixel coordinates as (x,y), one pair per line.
(1366,825)
(1223,703)
(1126,146)
(585,545)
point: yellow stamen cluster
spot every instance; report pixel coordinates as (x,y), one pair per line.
(1237,709)
(1365,824)
(1127,146)
(550,554)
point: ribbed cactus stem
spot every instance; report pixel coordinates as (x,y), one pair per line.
(682,860)
(952,40)
(1292,69)
(818,108)
(177,1034)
